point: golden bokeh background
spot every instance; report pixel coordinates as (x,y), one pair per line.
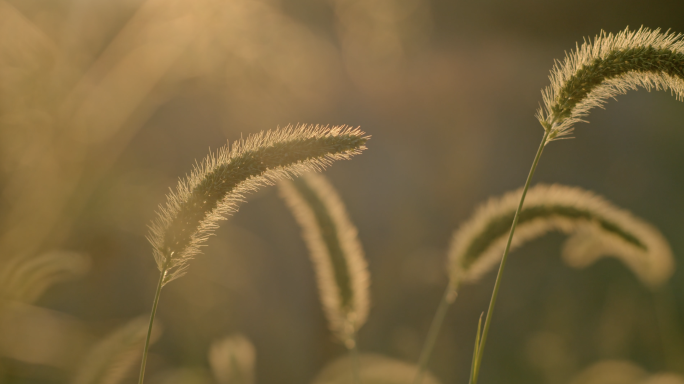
(104,104)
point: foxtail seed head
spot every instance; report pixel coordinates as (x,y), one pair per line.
(219,182)
(597,228)
(609,66)
(335,250)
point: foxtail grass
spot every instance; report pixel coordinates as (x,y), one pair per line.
(596,226)
(335,251)
(591,74)
(609,65)
(217,184)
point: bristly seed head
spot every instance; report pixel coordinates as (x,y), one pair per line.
(597,229)
(335,250)
(219,182)
(609,66)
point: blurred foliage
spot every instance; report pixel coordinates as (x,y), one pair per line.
(104,104)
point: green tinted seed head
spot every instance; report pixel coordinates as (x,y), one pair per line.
(608,66)
(219,183)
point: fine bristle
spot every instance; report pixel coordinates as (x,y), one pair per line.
(335,250)
(597,227)
(220,181)
(609,66)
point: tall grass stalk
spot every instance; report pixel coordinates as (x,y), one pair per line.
(449,294)
(490,311)
(219,183)
(146,349)
(596,71)
(110,360)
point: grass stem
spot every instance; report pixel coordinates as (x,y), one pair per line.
(497,284)
(670,335)
(149,329)
(355,361)
(433,332)
(477,345)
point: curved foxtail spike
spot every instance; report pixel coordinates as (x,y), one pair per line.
(219,182)
(597,228)
(335,250)
(609,66)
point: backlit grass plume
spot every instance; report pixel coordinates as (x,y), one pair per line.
(609,66)
(605,67)
(218,183)
(598,228)
(335,250)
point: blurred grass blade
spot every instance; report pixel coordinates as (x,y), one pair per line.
(335,251)
(185,375)
(596,227)
(41,337)
(611,371)
(27,278)
(373,369)
(232,360)
(110,360)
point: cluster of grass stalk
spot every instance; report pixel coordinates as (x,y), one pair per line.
(599,69)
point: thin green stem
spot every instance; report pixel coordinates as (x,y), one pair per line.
(149,329)
(355,361)
(477,345)
(433,332)
(497,284)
